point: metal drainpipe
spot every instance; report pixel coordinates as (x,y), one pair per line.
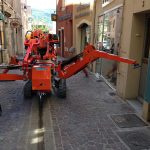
(62,42)
(16,31)
(1,45)
(3,31)
(122,23)
(94,23)
(101,59)
(94,18)
(118,74)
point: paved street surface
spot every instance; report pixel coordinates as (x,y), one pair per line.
(82,121)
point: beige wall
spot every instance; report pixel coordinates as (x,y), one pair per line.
(141,5)
(132,42)
(135,52)
(14,41)
(78,21)
(125,47)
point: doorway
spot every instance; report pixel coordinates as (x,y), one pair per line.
(85,35)
(145,58)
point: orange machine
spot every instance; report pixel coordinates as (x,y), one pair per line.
(41,78)
(41,69)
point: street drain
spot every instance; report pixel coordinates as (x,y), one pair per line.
(99,80)
(137,139)
(128,121)
(112,94)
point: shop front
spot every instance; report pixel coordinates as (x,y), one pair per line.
(108,40)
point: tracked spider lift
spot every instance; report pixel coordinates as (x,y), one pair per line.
(41,69)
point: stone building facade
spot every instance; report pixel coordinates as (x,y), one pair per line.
(118,27)
(12,26)
(75,19)
(64,26)
(83,18)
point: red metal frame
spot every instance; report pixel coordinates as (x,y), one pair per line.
(11,77)
(90,54)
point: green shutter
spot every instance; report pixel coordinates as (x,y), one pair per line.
(1,16)
(147,92)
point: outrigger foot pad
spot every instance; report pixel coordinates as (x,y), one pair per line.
(137,66)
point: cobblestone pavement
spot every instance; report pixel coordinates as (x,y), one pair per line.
(15,115)
(80,122)
(23,124)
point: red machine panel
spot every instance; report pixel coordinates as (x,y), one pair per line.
(41,78)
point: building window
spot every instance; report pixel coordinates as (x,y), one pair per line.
(106,2)
(108,40)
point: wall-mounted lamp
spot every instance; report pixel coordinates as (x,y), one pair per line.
(25,7)
(118,11)
(53,17)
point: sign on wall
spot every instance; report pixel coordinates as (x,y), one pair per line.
(53,17)
(15,23)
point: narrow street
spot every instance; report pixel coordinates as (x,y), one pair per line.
(82,121)
(96,50)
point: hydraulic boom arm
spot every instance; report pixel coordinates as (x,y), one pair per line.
(72,66)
